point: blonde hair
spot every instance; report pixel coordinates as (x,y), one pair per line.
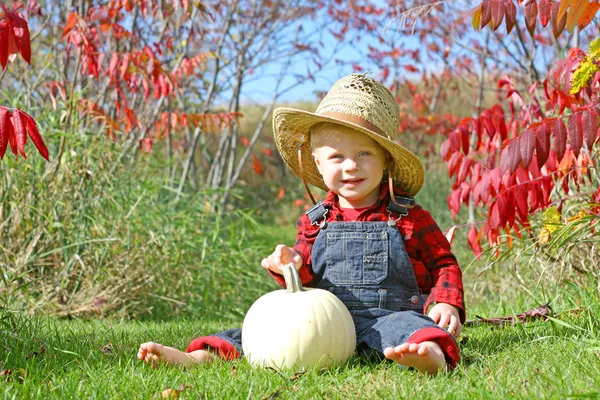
(319,130)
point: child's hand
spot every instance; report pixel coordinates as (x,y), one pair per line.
(446,316)
(281,256)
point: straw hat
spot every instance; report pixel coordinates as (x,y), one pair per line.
(358,102)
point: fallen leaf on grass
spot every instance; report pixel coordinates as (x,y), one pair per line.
(273,395)
(171,393)
(297,375)
(18,374)
(40,352)
(233,370)
(106,349)
(540,312)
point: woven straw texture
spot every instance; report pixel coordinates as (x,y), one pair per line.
(359,102)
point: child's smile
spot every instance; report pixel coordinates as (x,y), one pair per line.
(351,164)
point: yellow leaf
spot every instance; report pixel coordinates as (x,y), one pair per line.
(552,219)
(575,13)
(577,216)
(544,236)
(170,394)
(477,18)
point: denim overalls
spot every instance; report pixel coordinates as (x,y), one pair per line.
(365,264)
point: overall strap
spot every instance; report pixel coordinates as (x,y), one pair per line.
(317,213)
(401,206)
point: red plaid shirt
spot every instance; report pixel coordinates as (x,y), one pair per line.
(436,268)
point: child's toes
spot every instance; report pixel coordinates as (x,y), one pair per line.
(413,348)
(423,351)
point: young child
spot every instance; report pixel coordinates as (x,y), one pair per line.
(367,241)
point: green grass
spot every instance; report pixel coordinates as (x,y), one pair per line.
(96,359)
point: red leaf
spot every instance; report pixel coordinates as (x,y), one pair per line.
(542,142)
(465,138)
(497,117)
(497,11)
(588,15)
(531,11)
(35,136)
(450,234)
(454,202)
(511,15)
(71,22)
(575,130)
(559,138)
(486,119)
(520,196)
(4,130)
(20,128)
(257,165)
(526,146)
(454,163)
(473,239)
(590,127)
(576,11)
(486,13)
(464,169)
(510,157)
(509,208)
(21,34)
(494,216)
(496,178)
(558,21)
(4,40)
(544,11)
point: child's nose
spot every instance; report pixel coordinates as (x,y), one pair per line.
(350,164)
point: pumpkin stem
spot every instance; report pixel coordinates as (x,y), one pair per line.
(293,283)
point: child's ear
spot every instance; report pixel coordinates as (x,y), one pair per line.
(317,163)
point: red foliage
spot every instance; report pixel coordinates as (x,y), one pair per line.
(14,36)
(535,153)
(15,126)
(563,14)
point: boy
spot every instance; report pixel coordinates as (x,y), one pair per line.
(367,242)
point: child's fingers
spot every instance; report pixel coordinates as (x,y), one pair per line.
(434,315)
(453,325)
(297,260)
(444,320)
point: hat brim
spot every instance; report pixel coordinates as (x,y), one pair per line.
(291,130)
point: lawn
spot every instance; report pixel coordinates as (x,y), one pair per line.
(48,358)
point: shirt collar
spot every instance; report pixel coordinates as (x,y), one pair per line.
(331,199)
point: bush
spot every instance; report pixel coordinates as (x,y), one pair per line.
(100,234)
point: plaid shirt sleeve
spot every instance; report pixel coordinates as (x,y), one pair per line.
(436,268)
(304,241)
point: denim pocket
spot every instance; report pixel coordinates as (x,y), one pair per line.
(357,257)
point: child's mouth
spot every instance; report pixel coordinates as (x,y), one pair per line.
(352,181)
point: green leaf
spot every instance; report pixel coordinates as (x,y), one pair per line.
(583,74)
(595,48)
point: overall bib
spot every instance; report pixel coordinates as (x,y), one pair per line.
(365,264)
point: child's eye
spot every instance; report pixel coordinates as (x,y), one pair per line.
(364,153)
(336,156)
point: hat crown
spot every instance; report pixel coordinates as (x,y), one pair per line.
(359,95)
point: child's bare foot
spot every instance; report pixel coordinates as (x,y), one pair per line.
(426,357)
(155,353)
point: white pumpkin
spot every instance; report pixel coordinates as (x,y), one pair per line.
(298,327)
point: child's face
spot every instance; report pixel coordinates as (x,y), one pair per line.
(351,164)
